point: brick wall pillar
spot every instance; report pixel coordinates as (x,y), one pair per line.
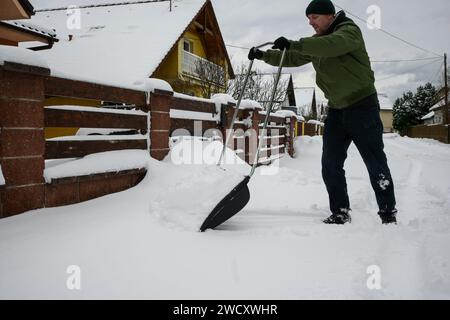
(160,123)
(22,142)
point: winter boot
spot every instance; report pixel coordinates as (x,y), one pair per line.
(388,217)
(338,218)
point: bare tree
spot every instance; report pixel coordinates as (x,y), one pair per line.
(259,87)
(209,77)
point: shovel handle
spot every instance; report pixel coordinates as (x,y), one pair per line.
(268,111)
(241,95)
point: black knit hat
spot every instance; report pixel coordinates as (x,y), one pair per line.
(320,7)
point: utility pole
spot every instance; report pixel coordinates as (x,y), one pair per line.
(446,108)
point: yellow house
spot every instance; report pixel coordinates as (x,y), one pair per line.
(122,43)
(386,112)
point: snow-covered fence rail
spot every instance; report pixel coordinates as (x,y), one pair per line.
(79,146)
(275,137)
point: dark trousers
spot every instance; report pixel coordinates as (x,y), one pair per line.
(361,124)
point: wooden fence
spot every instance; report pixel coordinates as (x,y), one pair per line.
(24,149)
(437,131)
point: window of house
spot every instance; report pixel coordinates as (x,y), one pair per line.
(188,46)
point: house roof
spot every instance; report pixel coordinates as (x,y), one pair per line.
(118,43)
(28,31)
(438,105)
(428,116)
(15,9)
(385,102)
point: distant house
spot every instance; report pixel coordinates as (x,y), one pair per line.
(386,112)
(13,33)
(305,101)
(260,88)
(436,114)
(121,43)
(285,88)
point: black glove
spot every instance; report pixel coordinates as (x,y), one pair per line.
(281,43)
(255,54)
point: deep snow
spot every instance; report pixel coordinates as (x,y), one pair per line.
(143,242)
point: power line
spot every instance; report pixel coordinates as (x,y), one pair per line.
(436,76)
(238,47)
(375,61)
(389,33)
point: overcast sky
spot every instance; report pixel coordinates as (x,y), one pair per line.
(425,24)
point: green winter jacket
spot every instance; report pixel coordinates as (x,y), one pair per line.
(340,59)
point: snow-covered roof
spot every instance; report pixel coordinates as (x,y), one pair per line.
(428,116)
(47,32)
(438,105)
(385,103)
(117,44)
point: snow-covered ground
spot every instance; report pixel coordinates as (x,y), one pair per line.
(143,242)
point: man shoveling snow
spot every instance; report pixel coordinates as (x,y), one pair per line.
(338,54)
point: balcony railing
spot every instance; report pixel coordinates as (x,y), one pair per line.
(193,63)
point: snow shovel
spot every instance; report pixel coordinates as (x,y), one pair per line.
(238,198)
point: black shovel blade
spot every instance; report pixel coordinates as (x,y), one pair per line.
(228,206)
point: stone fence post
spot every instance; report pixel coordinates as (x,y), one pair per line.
(22,141)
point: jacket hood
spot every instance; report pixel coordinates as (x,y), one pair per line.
(340,20)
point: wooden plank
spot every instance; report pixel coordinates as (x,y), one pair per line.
(83,119)
(59,87)
(272,118)
(192,105)
(77,149)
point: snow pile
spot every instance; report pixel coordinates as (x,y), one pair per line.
(152,84)
(111,161)
(2,178)
(316,122)
(247,104)
(300,118)
(22,56)
(193,181)
(285,113)
(222,99)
